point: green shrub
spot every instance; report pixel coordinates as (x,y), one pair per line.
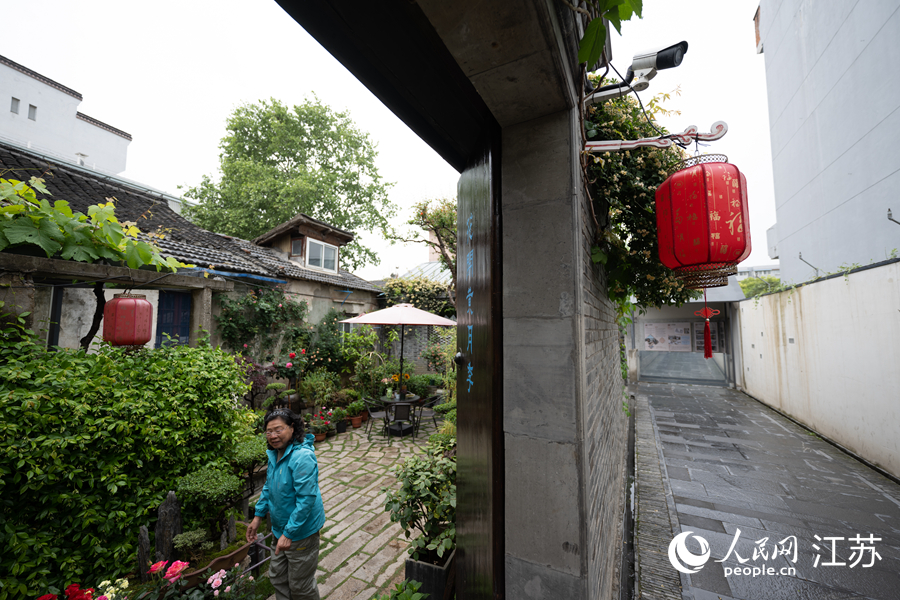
(193,544)
(250,451)
(205,494)
(92,443)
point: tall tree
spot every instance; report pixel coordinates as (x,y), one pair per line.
(435,223)
(279,161)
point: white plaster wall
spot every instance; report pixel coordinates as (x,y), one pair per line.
(56,130)
(834,119)
(840,375)
(78,312)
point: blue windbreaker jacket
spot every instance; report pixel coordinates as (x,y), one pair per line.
(291,492)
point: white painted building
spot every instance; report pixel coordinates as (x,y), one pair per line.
(42,115)
(833,93)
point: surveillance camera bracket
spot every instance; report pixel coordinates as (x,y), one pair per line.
(688,136)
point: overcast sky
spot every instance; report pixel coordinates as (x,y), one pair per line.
(170,72)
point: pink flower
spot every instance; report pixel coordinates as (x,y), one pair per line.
(228,589)
(156,567)
(328,422)
(251,578)
(102,598)
(175,570)
(216,593)
(289,365)
(245,345)
(217,583)
(279,306)
(236,565)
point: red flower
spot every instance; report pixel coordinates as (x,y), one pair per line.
(302,351)
(292,355)
(47,597)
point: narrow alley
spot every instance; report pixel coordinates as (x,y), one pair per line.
(785,514)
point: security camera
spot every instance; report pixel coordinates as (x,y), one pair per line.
(661,58)
(646,64)
(643,68)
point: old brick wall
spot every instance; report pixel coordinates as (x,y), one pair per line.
(605,425)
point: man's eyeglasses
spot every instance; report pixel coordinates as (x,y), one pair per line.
(274,432)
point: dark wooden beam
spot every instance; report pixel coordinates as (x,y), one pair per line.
(392,48)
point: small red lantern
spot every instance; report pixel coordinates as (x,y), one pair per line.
(128,320)
(702,222)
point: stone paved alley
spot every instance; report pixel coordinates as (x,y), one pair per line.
(362,553)
(713,461)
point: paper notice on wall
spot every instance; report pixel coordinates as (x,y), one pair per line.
(715,334)
(667,337)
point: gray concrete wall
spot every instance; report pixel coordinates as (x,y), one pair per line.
(833,123)
(565,433)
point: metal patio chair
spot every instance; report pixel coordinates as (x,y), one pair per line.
(376,412)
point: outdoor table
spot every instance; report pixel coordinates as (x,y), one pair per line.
(401,429)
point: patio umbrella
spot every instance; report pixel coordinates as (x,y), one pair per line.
(402,315)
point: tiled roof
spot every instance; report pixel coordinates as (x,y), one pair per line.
(277,263)
(183,240)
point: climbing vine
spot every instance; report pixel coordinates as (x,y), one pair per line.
(262,322)
(623,185)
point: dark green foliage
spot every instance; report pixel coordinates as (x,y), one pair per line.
(326,345)
(754,286)
(448,409)
(418,384)
(92,443)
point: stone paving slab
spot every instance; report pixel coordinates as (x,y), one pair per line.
(362,553)
(726,464)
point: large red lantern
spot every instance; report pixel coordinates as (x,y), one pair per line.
(128,320)
(702,222)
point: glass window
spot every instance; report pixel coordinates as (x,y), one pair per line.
(322,256)
(314,258)
(330,258)
(32,112)
(14,106)
(296,246)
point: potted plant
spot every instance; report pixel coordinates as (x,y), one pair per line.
(319,425)
(353,411)
(430,511)
(340,419)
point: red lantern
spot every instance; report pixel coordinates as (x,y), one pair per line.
(128,320)
(702,222)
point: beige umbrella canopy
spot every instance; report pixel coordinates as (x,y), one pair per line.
(402,315)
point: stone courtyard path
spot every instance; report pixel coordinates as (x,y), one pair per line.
(362,553)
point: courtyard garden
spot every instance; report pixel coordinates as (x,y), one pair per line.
(97,443)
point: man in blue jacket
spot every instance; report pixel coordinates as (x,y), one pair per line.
(291,494)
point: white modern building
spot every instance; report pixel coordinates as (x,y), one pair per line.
(42,115)
(833,93)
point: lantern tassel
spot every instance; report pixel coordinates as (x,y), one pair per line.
(707,338)
(707,342)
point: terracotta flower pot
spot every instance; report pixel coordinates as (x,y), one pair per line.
(356,421)
(365,415)
(320,436)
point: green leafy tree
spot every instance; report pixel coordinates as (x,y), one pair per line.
(754,286)
(279,161)
(435,226)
